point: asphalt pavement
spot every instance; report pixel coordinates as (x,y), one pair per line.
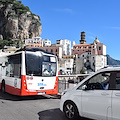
(30,108)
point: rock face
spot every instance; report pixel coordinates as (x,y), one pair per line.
(17,21)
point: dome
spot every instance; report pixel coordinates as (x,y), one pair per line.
(96,41)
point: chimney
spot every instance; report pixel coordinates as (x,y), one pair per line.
(83,41)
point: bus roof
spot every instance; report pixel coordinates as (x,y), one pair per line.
(34,50)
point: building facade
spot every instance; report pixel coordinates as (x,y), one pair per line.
(56,50)
(66,46)
(90,57)
(35,42)
(46,42)
(66,64)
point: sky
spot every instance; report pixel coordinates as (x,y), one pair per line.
(66,19)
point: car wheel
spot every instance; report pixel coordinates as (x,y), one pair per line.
(3,87)
(71,111)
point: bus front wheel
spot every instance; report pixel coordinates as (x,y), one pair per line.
(3,86)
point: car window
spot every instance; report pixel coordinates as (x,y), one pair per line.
(99,82)
(80,87)
(118,81)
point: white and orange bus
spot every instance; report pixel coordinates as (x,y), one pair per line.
(29,72)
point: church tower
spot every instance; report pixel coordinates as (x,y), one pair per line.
(83,41)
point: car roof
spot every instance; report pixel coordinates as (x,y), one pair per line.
(109,69)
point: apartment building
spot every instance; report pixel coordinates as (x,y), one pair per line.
(66,46)
(35,42)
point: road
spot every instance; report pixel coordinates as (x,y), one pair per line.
(30,108)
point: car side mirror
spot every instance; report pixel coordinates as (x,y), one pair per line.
(84,87)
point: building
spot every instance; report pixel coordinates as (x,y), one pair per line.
(35,42)
(66,64)
(66,46)
(46,42)
(90,57)
(56,50)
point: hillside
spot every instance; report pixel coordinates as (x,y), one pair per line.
(17,21)
(112,62)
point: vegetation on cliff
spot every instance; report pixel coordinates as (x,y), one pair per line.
(17,22)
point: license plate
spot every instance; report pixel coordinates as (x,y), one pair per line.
(41,93)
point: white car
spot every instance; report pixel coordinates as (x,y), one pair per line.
(96,97)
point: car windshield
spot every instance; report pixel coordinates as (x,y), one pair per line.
(38,65)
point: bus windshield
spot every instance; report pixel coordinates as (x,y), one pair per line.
(40,65)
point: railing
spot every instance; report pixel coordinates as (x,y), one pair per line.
(68,81)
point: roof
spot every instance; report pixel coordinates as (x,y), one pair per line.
(34,50)
(86,44)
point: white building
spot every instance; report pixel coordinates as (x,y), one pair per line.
(66,46)
(46,42)
(35,42)
(66,64)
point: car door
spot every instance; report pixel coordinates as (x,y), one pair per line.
(96,99)
(116,98)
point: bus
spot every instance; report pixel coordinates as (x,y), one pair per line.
(29,72)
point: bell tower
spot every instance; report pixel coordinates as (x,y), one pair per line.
(83,41)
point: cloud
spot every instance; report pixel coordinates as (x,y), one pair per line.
(115,28)
(65,10)
(91,37)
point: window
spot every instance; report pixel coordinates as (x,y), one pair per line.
(33,64)
(40,65)
(51,50)
(56,50)
(117,81)
(14,66)
(100,48)
(98,82)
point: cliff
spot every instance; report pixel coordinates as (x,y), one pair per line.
(17,21)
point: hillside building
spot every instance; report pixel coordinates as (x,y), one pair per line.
(90,57)
(65,64)
(66,46)
(56,50)
(46,43)
(35,42)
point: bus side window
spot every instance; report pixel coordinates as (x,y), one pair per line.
(14,66)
